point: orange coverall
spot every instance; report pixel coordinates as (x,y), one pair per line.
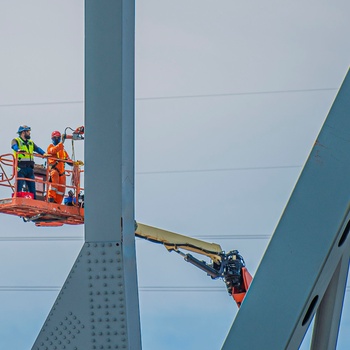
(57,174)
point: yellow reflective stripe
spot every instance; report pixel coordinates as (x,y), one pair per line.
(56,190)
(29,148)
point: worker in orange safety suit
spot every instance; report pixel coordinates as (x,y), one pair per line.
(57,167)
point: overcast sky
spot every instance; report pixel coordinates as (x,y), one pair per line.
(230,97)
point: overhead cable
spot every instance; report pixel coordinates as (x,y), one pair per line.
(235,94)
(41,238)
(176,97)
(40,103)
(165,289)
(81,238)
(217,169)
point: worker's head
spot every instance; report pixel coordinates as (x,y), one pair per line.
(56,137)
(24,132)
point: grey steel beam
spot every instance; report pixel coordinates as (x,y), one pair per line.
(327,320)
(98,307)
(308,249)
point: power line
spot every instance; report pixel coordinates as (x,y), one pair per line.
(176,97)
(235,94)
(40,103)
(217,169)
(143,289)
(41,239)
(185,289)
(80,238)
(234,236)
(29,288)
(163,289)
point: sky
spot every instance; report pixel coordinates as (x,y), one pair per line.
(230,97)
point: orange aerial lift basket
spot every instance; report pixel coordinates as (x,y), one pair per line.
(40,211)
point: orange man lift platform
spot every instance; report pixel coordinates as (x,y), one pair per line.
(40,211)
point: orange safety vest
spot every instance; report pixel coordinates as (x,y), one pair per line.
(58,152)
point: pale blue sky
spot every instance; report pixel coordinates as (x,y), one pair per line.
(228,50)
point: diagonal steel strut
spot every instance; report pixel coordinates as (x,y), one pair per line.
(305,266)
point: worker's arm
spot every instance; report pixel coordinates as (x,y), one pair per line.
(14,145)
(37,149)
(69,161)
(53,150)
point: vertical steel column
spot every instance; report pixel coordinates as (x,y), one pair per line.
(97,307)
(309,251)
(109,108)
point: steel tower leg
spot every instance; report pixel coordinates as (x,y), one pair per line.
(305,265)
(327,320)
(97,307)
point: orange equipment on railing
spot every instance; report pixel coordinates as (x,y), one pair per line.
(40,211)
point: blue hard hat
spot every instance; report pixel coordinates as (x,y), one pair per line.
(23,128)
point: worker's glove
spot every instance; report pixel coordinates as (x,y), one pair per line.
(79,162)
(46,155)
(64,136)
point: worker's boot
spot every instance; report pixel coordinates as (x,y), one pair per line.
(51,200)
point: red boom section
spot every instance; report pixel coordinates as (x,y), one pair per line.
(247,280)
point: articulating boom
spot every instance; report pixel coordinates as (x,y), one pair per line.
(228,266)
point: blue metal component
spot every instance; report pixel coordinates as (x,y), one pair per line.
(97,307)
(305,266)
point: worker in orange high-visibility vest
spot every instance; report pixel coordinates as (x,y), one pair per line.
(57,167)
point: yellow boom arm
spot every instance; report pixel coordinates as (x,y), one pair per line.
(175,241)
(228,266)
